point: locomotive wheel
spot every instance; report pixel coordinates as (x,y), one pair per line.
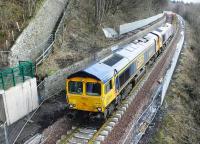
(104,115)
(111,108)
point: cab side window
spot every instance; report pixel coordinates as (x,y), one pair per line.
(108,86)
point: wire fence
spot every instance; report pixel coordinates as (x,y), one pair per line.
(48,45)
(38,52)
(25,70)
(11,76)
(47,48)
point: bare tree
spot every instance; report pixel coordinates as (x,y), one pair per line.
(103,7)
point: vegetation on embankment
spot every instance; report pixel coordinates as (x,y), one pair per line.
(83,35)
(181,122)
(14,17)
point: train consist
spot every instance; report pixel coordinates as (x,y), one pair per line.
(100,87)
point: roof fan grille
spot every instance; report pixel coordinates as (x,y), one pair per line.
(113,60)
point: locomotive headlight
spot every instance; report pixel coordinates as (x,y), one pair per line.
(99,109)
(71,105)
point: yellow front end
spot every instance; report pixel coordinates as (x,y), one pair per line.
(85,94)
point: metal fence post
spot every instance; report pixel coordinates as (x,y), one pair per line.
(23,73)
(3,86)
(32,72)
(14,83)
(43,54)
(5,132)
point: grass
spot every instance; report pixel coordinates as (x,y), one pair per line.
(2,35)
(12,12)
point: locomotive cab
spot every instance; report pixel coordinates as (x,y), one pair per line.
(101,86)
(86,92)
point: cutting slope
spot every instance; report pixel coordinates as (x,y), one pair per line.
(83,36)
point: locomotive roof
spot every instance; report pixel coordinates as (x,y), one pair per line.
(97,71)
(151,36)
(163,29)
(106,68)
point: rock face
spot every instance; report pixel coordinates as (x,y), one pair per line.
(32,40)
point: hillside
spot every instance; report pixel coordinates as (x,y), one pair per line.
(83,35)
(14,17)
(179,117)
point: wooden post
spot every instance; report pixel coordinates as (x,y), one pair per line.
(22,69)
(7,44)
(18,26)
(5,132)
(2,80)
(13,74)
(13,36)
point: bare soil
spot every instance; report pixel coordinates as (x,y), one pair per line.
(49,112)
(14,17)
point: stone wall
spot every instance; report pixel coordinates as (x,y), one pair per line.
(32,40)
(56,83)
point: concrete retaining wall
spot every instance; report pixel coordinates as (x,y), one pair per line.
(128,27)
(32,40)
(171,70)
(56,83)
(18,101)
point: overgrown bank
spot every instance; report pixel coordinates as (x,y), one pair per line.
(181,122)
(83,35)
(14,17)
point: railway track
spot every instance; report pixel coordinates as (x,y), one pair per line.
(95,134)
(119,132)
(98,133)
(81,135)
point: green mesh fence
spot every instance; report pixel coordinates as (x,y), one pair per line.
(11,76)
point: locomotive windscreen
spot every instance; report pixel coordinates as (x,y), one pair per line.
(93,89)
(75,87)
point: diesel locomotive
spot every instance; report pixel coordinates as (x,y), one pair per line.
(99,88)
